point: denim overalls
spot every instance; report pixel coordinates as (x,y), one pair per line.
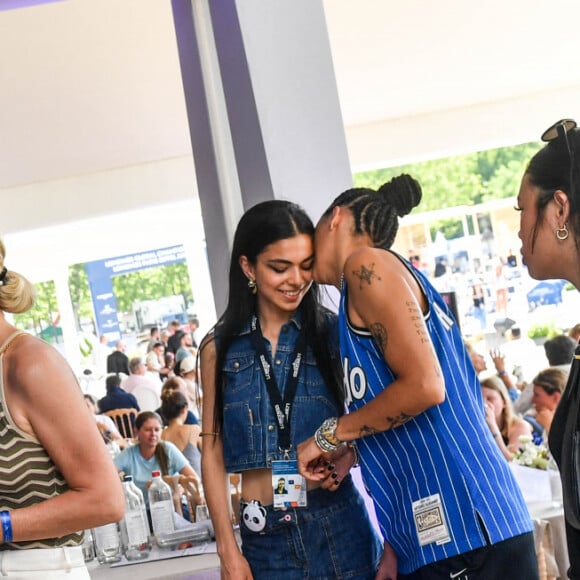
(332,537)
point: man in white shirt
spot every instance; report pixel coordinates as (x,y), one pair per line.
(146,391)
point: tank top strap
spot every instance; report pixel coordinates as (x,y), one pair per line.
(4,346)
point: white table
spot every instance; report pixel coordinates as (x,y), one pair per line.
(199,567)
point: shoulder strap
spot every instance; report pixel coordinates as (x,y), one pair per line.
(9,340)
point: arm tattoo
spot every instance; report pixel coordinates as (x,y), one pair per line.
(416,317)
(379,333)
(366,274)
(366,430)
(396,421)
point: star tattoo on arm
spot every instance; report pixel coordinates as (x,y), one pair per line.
(366,274)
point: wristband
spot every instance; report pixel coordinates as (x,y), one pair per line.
(502,374)
(6,526)
(356,454)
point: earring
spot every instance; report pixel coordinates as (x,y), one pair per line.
(252,286)
(562,233)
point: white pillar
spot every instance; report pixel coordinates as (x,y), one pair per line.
(67,318)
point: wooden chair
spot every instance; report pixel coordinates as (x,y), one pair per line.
(124,420)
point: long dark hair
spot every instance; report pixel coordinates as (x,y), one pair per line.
(551,169)
(264,224)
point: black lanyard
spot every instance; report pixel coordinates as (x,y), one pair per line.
(282,406)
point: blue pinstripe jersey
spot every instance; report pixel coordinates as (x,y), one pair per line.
(447,450)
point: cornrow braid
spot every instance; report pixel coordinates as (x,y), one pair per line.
(376,213)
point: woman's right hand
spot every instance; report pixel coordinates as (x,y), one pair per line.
(235,567)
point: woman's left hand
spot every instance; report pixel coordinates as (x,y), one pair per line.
(311,460)
(337,467)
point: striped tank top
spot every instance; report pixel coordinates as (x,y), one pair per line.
(439,482)
(27,474)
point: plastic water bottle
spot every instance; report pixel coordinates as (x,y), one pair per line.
(134,526)
(88,546)
(161,506)
(107,543)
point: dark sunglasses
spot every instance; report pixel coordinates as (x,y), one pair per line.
(560,130)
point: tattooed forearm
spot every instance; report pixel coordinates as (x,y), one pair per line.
(379,333)
(366,274)
(396,421)
(366,430)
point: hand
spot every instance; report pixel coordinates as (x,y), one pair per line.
(388,564)
(235,568)
(311,460)
(337,467)
(498,359)
(490,418)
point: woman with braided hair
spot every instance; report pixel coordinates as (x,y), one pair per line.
(445,497)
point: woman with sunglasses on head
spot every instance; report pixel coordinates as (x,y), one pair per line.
(270,373)
(444,495)
(549,202)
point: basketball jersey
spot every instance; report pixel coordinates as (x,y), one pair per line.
(439,483)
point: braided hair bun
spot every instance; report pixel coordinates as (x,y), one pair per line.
(403,192)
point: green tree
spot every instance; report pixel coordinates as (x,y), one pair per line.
(80,293)
(462,179)
(152,284)
(42,319)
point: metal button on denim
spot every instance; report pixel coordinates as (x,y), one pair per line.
(271,427)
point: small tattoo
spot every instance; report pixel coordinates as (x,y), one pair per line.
(396,421)
(366,430)
(366,274)
(379,333)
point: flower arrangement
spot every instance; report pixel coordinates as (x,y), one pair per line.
(531,453)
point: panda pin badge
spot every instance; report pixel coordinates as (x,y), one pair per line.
(254,516)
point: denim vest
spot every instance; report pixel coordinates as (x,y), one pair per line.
(249,432)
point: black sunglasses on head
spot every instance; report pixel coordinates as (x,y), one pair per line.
(559,129)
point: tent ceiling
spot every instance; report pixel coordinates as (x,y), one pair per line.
(92,85)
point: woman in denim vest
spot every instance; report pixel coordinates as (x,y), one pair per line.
(270,373)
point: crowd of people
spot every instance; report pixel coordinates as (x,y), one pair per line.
(294,396)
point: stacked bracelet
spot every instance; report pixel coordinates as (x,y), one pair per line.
(325,438)
(6,525)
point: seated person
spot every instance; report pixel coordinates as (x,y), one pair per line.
(151,454)
(548,385)
(106,425)
(185,437)
(116,397)
(505,426)
(176,384)
(559,352)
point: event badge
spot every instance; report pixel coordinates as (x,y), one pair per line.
(430,521)
(288,485)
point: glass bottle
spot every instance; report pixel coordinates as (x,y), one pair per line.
(161,506)
(135,535)
(88,546)
(107,543)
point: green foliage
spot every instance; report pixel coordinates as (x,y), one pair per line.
(543,329)
(152,284)
(463,179)
(80,294)
(43,314)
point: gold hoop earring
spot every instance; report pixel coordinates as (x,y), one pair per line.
(252,286)
(562,233)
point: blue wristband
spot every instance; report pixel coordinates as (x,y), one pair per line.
(6,526)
